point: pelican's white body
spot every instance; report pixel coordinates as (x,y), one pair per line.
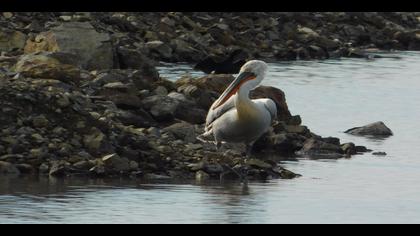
(240,119)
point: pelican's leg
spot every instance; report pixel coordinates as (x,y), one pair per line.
(218,145)
(248,150)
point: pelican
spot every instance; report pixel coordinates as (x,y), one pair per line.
(234,117)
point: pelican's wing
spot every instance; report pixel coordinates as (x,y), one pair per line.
(216,113)
(270,105)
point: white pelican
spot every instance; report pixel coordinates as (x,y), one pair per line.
(234,117)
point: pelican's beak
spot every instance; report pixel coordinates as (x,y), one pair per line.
(234,87)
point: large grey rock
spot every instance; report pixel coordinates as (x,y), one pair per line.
(375,129)
(93,49)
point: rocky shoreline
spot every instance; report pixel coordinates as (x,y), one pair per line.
(80,95)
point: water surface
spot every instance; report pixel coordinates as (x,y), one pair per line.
(331,96)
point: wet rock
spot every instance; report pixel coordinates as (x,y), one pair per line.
(258,163)
(25,168)
(201,176)
(8,168)
(314,147)
(59,168)
(43,168)
(115,163)
(375,129)
(11,40)
(379,153)
(93,49)
(83,165)
(287,174)
(151,176)
(349,148)
(282,143)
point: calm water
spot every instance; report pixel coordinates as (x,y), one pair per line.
(331,96)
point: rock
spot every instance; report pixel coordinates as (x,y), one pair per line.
(92,49)
(314,147)
(258,163)
(160,90)
(283,143)
(59,168)
(133,59)
(83,165)
(10,40)
(43,168)
(183,131)
(8,168)
(7,15)
(201,176)
(40,121)
(183,51)
(190,113)
(229,65)
(162,108)
(287,174)
(379,153)
(159,47)
(213,82)
(115,163)
(46,66)
(349,148)
(375,129)
(25,168)
(96,141)
(151,176)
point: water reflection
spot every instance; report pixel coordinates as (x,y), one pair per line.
(331,96)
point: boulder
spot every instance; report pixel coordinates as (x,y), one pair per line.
(374,129)
(93,49)
(46,66)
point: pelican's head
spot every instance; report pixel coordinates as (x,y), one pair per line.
(250,75)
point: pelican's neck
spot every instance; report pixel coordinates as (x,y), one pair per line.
(244,105)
